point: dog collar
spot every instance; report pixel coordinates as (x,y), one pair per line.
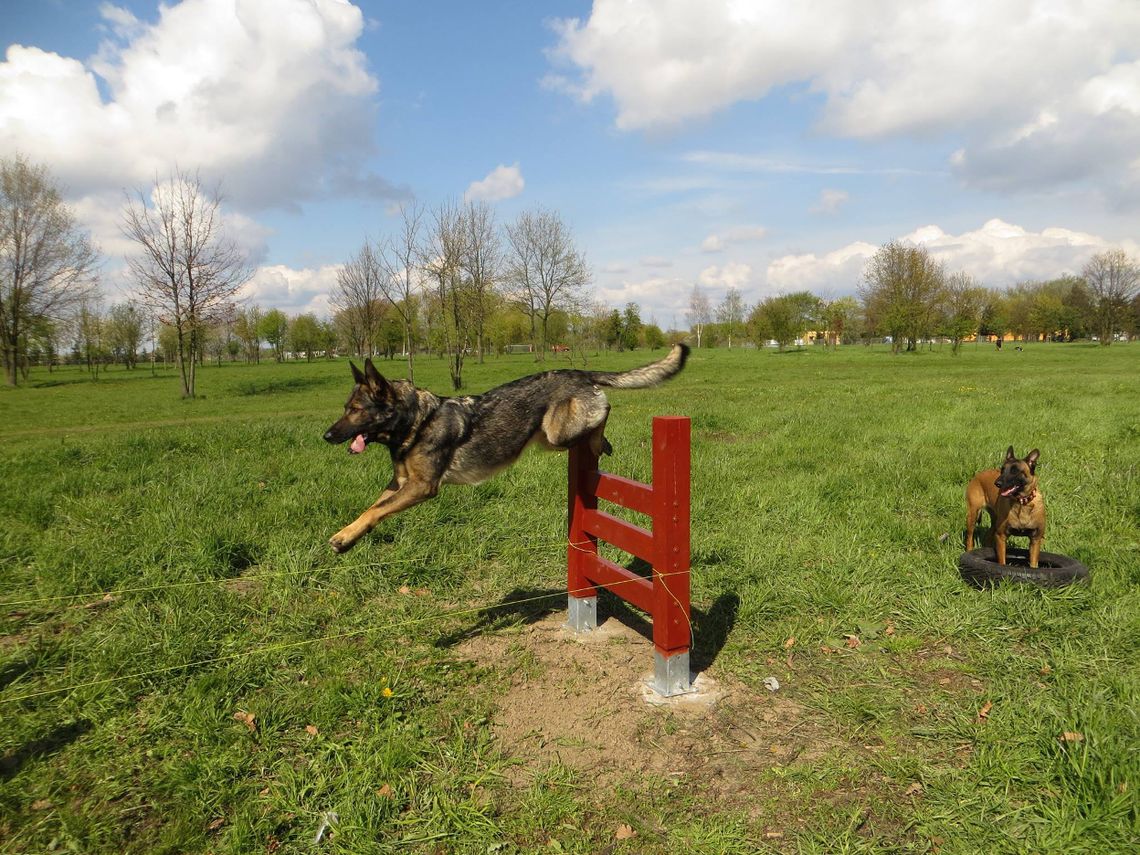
(1025,500)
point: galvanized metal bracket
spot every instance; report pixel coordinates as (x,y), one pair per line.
(671,675)
(582,613)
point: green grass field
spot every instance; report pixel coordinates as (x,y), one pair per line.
(243,683)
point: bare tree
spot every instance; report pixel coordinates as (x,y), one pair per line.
(699,314)
(187,268)
(482,262)
(1114,280)
(47,265)
(546,271)
(359,298)
(90,329)
(442,257)
(400,258)
(730,314)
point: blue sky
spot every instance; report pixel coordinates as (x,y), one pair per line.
(740,143)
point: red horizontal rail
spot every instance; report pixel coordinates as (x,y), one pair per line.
(624,535)
(631,587)
(622,491)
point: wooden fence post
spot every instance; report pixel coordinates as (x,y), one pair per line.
(665,594)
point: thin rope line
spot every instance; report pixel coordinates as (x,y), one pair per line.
(301,643)
(655,574)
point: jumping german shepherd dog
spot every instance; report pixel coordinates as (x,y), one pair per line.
(466,440)
(1014,501)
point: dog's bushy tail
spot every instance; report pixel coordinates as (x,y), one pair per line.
(647,375)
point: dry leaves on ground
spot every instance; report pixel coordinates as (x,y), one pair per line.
(246,718)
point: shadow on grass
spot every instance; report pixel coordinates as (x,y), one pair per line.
(526,606)
(13,671)
(522,606)
(274,387)
(55,739)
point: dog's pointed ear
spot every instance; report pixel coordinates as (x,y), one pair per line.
(1009,455)
(1031,459)
(373,377)
(357,374)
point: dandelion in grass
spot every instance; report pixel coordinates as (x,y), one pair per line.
(386,692)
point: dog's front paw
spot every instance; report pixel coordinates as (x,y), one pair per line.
(341,543)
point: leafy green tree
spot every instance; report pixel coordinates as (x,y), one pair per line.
(962,303)
(901,290)
(994,318)
(247,328)
(124,330)
(784,318)
(630,326)
(274,329)
(90,337)
(840,320)
(305,335)
(653,337)
(611,329)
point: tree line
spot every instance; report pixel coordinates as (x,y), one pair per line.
(907,297)
(453,282)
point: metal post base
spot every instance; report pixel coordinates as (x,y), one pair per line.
(582,613)
(671,674)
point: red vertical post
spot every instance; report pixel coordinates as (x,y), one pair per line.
(671,475)
(582,545)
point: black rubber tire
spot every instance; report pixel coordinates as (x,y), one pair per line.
(980,568)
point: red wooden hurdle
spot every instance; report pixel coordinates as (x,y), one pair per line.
(665,593)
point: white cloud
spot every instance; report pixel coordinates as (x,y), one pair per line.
(1039,93)
(835,271)
(502,182)
(271,96)
(718,242)
(998,254)
(662,297)
(830,201)
(293,291)
(732,275)
(734,161)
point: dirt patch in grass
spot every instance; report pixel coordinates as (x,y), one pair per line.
(579,701)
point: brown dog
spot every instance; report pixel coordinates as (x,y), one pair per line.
(1014,501)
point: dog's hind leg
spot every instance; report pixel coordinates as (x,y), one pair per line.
(599,445)
(569,422)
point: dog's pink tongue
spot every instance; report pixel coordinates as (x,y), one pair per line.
(357,444)
(1008,492)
